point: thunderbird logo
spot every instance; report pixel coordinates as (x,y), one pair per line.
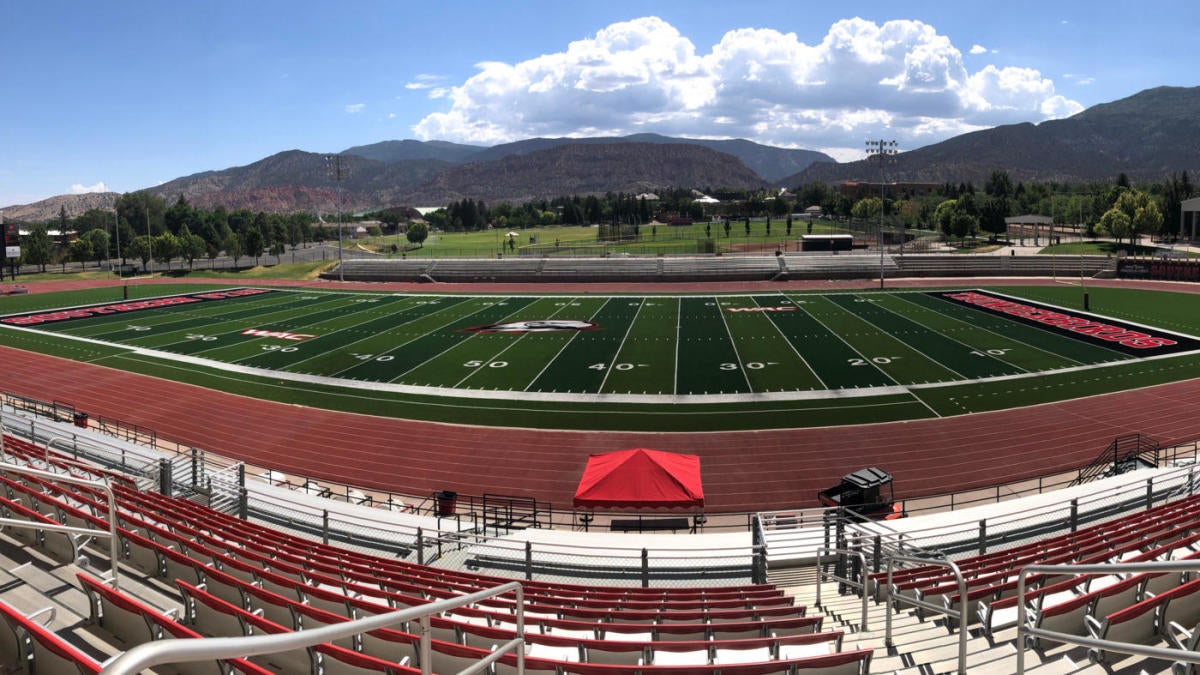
(535,326)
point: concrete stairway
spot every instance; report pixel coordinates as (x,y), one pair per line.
(928,647)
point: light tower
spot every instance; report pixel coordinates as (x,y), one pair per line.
(883,151)
(336,169)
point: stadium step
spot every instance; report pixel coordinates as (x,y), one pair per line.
(924,647)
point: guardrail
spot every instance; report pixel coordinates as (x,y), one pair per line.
(1026,631)
(187,650)
(860,584)
(111,533)
(958,614)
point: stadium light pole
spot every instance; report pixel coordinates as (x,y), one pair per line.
(149,240)
(337,179)
(881,150)
(117,232)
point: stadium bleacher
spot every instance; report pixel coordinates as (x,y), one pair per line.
(191,571)
(811,265)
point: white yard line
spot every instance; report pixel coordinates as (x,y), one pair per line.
(771,320)
(733,343)
(617,356)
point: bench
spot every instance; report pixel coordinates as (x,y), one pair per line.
(650,525)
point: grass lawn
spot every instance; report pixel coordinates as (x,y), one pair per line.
(582,241)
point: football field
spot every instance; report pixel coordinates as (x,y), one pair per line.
(857,349)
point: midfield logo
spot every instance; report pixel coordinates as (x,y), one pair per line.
(535,326)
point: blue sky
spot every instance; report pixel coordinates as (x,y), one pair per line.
(124,95)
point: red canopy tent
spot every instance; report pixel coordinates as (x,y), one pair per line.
(640,477)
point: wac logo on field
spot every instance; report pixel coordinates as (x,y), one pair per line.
(281,334)
(784,308)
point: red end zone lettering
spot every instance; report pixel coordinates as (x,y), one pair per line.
(119,307)
(1084,326)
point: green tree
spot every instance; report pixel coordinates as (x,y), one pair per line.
(191,246)
(166,248)
(81,251)
(747,226)
(141,207)
(277,249)
(1114,223)
(789,225)
(866,209)
(139,249)
(37,249)
(943,215)
(179,216)
(417,233)
(99,240)
(963,224)
(992,214)
(254,242)
(999,185)
(232,245)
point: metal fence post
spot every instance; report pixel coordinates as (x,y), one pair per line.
(325,527)
(164,477)
(982,537)
(1149,493)
(1074,514)
(645,568)
(528,561)
(243,503)
(420,546)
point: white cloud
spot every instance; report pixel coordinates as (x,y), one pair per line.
(1082,80)
(978,49)
(424,81)
(900,79)
(81,189)
(354,108)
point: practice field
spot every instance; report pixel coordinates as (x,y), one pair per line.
(654,362)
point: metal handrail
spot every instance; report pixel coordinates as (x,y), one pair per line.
(860,585)
(1025,631)
(101,485)
(959,614)
(187,650)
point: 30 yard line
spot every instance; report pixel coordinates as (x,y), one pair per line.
(732,343)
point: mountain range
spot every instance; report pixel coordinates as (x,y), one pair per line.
(1146,136)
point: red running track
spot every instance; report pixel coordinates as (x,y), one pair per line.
(742,471)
